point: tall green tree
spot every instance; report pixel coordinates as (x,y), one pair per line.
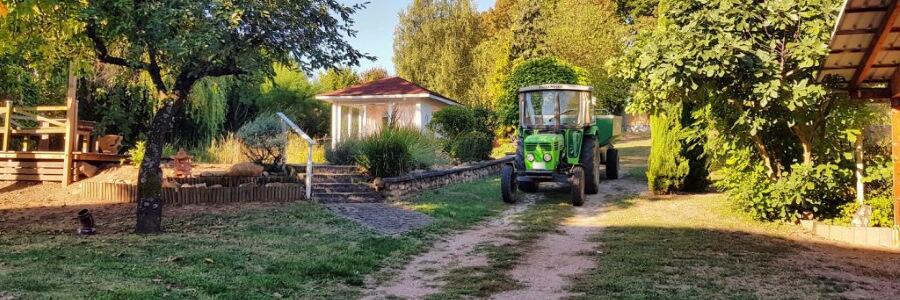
(180,43)
(587,33)
(372,74)
(755,64)
(528,32)
(433,46)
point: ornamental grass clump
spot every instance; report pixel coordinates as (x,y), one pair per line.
(396,151)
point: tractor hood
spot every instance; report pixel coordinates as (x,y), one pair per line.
(541,146)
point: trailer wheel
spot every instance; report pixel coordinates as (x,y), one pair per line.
(528,186)
(612,163)
(590,160)
(578,186)
(508,184)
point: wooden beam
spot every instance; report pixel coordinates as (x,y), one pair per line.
(7,124)
(894,84)
(874,66)
(860,31)
(866,9)
(71,127)
(887,24)
(858,50)
(895,155)
(870,93)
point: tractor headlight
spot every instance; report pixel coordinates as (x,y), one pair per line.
(547,157)
(530,157)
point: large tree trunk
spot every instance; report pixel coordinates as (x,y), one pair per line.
(150,177)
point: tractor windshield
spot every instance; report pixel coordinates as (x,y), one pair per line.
(546,108)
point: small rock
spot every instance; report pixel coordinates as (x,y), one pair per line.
(216,186)
(248,184)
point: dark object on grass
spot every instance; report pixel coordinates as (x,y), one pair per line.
(87,222)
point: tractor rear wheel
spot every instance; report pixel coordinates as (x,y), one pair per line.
(578,186)
(590,160)
(612,163)
(528,186)
(508,184)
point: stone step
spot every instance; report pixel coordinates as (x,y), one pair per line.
(335,178)
(326,188)
(335,169)
(349,197)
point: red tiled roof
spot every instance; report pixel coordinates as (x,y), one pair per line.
(388,86)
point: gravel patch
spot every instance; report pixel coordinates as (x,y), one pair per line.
(384,218)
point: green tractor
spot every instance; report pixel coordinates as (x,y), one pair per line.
(560,140)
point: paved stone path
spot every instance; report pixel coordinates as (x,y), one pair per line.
(381,217)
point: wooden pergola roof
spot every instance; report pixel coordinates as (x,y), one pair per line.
(865,47)
(865,51)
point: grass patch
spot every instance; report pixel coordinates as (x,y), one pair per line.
(694,247)
(297,250)
(482,281)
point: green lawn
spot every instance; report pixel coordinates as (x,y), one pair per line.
(297,250)
(697,247)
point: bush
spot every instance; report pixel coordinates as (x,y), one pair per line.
(264,141)
(344,153)
(465,132)
(472,146)
(452,121)
(816,189)
(396,151)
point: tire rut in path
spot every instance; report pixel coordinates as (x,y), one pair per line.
(422,276)
(545,272)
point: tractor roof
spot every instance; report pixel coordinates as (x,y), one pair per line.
(560,87)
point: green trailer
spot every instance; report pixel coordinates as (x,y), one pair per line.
(560,139)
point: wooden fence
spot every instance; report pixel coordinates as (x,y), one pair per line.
(104,192)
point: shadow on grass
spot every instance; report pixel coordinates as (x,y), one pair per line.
(694,263)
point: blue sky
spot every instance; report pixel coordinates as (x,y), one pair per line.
(376,25)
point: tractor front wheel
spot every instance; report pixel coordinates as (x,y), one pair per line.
(508,184)
(578,184)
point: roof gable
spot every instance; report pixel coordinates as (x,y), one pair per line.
(393,86)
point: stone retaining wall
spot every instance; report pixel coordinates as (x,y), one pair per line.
(403,187)
(870,237)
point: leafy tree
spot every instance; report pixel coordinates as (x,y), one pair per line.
(373,74)
(291,92)
(433,46)
(179,43)
(754,63)
(587,33)
(337,78)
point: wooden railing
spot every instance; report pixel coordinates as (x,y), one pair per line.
(288,124)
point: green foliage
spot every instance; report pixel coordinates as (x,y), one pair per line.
(373,74)
(119,101)
(815,189)
(397,151)
(137,153)
(545,70)
(290,91)
(467,134)
(472,146)
(434,46)
(452,121)
(344,153)
(264,141)
(666,167)
(337,78)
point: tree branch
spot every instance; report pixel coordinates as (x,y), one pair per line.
(103,52)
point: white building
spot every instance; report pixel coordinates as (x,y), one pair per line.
(364,109)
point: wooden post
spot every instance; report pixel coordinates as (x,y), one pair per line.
(7,123)
(71,127)
(895,155)
(860,171)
